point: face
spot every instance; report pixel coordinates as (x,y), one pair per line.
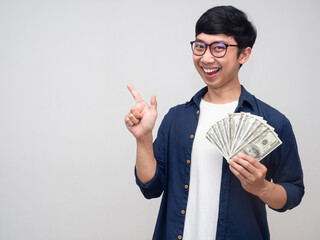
(252,151)
(220,72)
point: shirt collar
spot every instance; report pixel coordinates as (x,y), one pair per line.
(246,98)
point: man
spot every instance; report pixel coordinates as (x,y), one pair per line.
(204,196)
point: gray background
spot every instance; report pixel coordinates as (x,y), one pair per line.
(66,158)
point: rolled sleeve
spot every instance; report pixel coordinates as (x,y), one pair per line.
(294,196)
(288,170)
(154,187)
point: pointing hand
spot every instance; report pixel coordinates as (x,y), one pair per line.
(142,117)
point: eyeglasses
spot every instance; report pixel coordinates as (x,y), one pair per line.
(217,49)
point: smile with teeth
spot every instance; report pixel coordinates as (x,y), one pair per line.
(210,70)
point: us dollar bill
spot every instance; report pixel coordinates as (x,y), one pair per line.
(261,145)
(213,138)
(247,125)
(243,132)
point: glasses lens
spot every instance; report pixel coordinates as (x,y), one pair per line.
(198,48)
(218,49)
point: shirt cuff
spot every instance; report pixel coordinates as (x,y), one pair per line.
(154,187)
(294,196)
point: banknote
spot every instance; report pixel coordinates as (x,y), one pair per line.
(243,132)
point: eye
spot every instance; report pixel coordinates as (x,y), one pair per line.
(218,47)
(199,45)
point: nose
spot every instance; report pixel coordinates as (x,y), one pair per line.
(207,57)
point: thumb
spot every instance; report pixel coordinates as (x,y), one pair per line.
(153,102)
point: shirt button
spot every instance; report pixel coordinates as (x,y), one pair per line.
(183,211)
(198,112)
(179,237)
(188,161)
(186,186)
(191,136)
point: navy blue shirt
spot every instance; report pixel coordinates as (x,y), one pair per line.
(241,215)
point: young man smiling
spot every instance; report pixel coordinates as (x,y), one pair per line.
(204,196)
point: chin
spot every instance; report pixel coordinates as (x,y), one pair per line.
(212,83)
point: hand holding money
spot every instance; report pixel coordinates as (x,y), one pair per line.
(244,139)
(251,174)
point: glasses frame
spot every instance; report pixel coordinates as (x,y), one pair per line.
(209,45)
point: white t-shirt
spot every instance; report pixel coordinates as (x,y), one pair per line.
(205,176)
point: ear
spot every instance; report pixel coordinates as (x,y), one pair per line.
(244,56)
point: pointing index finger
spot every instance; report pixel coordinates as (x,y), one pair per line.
(135,94)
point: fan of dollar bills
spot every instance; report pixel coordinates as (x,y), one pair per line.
(243,132)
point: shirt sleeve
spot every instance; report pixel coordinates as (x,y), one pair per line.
(155,186)
(287,170)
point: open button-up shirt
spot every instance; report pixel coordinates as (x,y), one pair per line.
(241,214)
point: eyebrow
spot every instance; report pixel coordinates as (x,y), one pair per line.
(219,41)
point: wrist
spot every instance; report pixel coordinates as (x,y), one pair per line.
(266,189)
(145,138)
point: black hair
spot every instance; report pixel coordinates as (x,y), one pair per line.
(230,21)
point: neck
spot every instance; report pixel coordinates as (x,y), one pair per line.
(223,95)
